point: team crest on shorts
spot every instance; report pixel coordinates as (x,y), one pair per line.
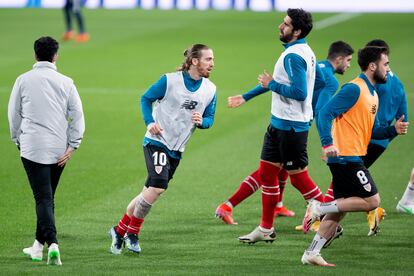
(158,169)
(367,187)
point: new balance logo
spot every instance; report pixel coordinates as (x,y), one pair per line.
(189,104)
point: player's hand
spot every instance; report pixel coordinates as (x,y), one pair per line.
(264,79)
(400,126)
(323,156)
(65,157)
(235,101)
(197,119)
(154,129)
(330,151)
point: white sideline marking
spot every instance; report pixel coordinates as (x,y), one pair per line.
(333,20)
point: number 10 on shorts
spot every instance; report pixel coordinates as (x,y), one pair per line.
(160,160)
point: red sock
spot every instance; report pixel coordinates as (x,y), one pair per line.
(329,196)
(270,192)
(306,187)
(248,187)
(122,226)
(283,176)
(135,225)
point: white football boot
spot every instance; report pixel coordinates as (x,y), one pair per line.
(314,258)
(259,234)
(35,251)
(117,241)
(53,256)
(311,215)
(405,208)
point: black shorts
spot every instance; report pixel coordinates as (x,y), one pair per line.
(161,167)
(286,147)
(373,153)
(352,179)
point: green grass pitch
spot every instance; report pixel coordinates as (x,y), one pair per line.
(129,50)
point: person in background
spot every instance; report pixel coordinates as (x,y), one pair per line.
(406,203)
(47,125)
(72,8)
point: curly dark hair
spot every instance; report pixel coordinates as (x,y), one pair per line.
(379,43)
(370,54)
(301,20)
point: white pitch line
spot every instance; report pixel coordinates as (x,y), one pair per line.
(333,20)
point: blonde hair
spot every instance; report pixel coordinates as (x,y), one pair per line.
(192,52)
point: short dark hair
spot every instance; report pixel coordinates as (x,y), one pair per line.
(45,48)
(370,54)
(301,20)
(379,43)
(339,49)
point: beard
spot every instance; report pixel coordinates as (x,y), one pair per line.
(340,71)
(285,38)
(379,78)
(203,72)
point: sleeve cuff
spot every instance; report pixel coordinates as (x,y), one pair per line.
(273,85)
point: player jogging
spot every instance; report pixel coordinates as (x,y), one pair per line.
(344,140)
(285,141)
(184,100)
(338,61)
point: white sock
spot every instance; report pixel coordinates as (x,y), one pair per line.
(229,204)
(408,197)
(328,207)
(317,244)
(279,204)
(265,230)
